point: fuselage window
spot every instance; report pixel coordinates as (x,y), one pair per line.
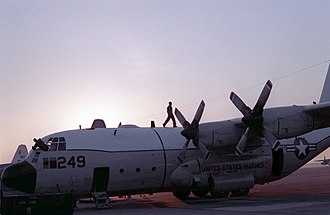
(53,163)
(35,157)
(46,163)
(53,147)
(37,154)
(61,146)
(138,169)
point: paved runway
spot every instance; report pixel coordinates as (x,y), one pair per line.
(306,191)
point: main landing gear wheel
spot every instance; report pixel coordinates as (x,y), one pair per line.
(217,194)
(222,194)
(201,193)
(68,205)
(182,193)
(242,192)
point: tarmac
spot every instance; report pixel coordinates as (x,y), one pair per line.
(307,191)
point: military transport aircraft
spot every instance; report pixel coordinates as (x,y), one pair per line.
(225,157)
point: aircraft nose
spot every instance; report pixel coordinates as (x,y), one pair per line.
(20,176)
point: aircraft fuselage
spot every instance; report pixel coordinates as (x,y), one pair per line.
(145,160)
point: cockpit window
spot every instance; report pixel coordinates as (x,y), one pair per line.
(61,146)
(53,147)
(57,144)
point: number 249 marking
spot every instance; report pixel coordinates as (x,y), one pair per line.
(74,162)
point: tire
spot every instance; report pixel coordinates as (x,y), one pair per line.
(242,192)
(219,194)
(182,193)
(201,193)
(222,194)
(7,206)
(68,205)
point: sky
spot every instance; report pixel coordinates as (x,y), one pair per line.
(65,63)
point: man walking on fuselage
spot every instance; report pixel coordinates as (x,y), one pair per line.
(170,115)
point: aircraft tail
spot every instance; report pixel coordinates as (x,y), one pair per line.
(20,154)
(325,96)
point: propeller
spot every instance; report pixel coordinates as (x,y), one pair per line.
(191,131)
(253,119)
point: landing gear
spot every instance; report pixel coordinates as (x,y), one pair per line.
(68,205)
(217,194)
(242,192)
(222,194)
(201,192)
(182,193)
(59,204)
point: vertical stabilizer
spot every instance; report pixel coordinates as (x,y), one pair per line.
(20,154)
(325,96)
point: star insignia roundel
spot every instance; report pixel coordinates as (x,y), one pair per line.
(301,148)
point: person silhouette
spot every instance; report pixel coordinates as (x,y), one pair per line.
(170,115)
(39,144)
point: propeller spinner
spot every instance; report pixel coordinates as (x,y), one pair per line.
(191,131)
(253,119)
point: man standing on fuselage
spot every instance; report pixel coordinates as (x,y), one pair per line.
(170,115)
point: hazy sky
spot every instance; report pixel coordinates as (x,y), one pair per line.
(64,63)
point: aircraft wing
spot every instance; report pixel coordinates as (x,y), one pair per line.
(321,109)
(238,123)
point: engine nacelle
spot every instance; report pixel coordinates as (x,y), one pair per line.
(200,180)
(182,175)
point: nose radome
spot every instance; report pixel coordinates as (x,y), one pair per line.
(20,176)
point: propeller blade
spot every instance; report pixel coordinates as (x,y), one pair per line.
(242,142)
(271,139)
(258,108)
(240,105)
(190,131)
(198,115)
(185,124)
(182,154)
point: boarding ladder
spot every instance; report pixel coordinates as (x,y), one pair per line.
(102,200)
